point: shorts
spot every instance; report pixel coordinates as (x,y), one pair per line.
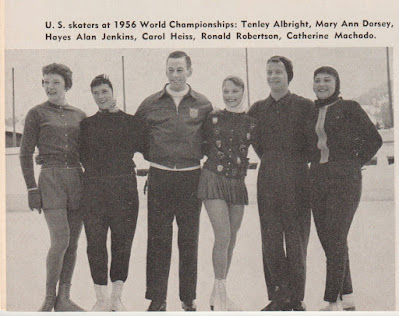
(61,188)
(217,187)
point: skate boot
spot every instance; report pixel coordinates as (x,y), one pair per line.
(116,302)
(63,303)
(333,307)
(218,300)
(348,302)
(103,303)
(48,304)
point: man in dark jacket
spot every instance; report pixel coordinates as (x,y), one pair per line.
(280,142)
(175,116)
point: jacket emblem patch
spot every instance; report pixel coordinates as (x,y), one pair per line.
(193,113)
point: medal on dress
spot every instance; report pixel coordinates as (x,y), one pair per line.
(221,155)
(220,168)
(218,143)
(238,160)
(248,136)
(214,119)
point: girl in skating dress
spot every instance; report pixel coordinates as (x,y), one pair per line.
(228,134)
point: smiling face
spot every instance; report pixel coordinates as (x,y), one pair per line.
(54,86)
(324,85)
(232,94)
(277,77)
(103,96)
(177,73)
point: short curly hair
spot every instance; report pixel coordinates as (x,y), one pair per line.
(59,69)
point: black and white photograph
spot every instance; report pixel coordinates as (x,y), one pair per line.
(200,179)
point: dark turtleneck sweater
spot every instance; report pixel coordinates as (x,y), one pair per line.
(109,141)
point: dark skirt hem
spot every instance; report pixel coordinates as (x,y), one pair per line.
(217,187)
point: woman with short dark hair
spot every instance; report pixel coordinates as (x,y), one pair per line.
(342,140)
(109,140)
(54,128)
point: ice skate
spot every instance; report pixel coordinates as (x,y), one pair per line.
(103,303)
(333,307)
(116,302)
(48,304)
(63,303)
(218,300)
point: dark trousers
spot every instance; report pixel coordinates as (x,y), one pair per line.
(172,194)
(110,203)
(335,196)
(284,212)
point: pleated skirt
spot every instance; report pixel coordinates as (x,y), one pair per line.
(217,187)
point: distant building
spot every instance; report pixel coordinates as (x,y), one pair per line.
(10,141)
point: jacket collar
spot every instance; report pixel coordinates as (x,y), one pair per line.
(163,93)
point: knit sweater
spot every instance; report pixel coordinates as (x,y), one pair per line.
(228,136)
(109,141)
(54,130)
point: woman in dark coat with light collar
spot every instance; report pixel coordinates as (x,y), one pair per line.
(342,140)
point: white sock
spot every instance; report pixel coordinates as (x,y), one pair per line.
(335,306)
(348,300)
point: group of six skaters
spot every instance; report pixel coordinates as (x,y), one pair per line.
(174,128)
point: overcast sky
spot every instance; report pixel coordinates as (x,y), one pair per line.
(360,69)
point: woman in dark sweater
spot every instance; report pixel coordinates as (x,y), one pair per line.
(342,140)
(228,135)
(109,140)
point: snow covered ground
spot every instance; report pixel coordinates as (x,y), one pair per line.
(371,243)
